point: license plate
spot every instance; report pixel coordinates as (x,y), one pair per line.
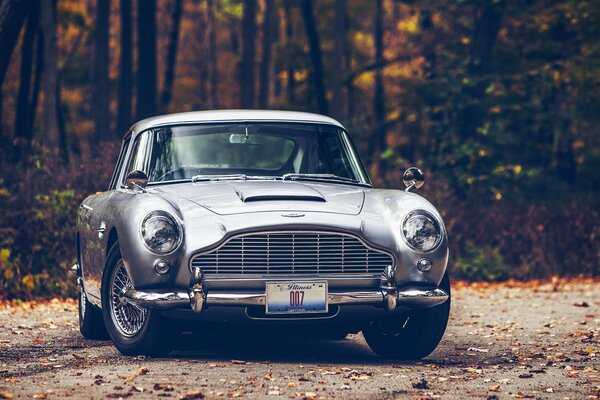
(296,297)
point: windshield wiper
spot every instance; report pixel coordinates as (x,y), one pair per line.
(321,178)
(205,178)
(232,177)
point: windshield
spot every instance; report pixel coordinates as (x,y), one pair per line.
(262,149)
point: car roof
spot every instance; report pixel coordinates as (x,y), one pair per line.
(230,116)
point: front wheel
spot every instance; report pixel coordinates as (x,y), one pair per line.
(410,336)
(134,330)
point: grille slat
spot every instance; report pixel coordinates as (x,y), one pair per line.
(292,253)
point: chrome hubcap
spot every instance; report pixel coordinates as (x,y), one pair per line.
(128,318)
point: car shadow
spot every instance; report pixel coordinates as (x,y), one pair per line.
(276,346)
(272,346)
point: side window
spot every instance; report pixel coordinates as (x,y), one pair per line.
(124,147)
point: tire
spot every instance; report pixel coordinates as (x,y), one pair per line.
(410,336)
(91,322)
(132,329)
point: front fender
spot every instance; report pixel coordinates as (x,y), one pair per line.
(384,211)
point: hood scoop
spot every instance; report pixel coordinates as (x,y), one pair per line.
(277,191)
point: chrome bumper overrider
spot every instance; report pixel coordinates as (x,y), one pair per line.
(388,295)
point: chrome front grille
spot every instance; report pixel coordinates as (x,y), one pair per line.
(293,253)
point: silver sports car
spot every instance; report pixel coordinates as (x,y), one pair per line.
(258,217)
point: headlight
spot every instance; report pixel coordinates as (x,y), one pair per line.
(161,233)
(422,231)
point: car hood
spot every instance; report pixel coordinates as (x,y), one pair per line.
(227,197)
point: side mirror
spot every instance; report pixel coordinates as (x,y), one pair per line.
(413,177)
(136,180)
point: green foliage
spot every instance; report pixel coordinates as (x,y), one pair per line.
(480,264)
(38,206)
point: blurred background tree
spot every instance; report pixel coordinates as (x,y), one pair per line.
(497,100)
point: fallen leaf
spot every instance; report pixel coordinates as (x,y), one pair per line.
(478,350)
(495,388)
(360,377)
(525,376)
(524,396)
(197,394)
(118,395)
(140,371)
(6,395)
(163,386)
(422,384)
(582,304)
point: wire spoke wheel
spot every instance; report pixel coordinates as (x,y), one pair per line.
(128,318)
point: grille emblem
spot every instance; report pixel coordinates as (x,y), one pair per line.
(293,215)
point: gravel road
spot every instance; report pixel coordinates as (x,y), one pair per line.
(504,341)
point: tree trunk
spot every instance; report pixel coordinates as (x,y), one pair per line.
(289,35)
(48,23)
(315,55)
(337,64)
(379,101)
(171,61)
(249,35)
(488,18)
(349,83)
(100,84)
(61,112)
(37,81)
(265,66)
(12,17)
(487,26)
(146,75)
(125,95)
(211,56)
(23,112)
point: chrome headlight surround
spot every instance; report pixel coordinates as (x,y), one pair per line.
(422,231)
(161,233)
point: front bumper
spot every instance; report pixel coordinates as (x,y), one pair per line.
(198,298)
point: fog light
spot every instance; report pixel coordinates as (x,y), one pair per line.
(424,264)
(161,267)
